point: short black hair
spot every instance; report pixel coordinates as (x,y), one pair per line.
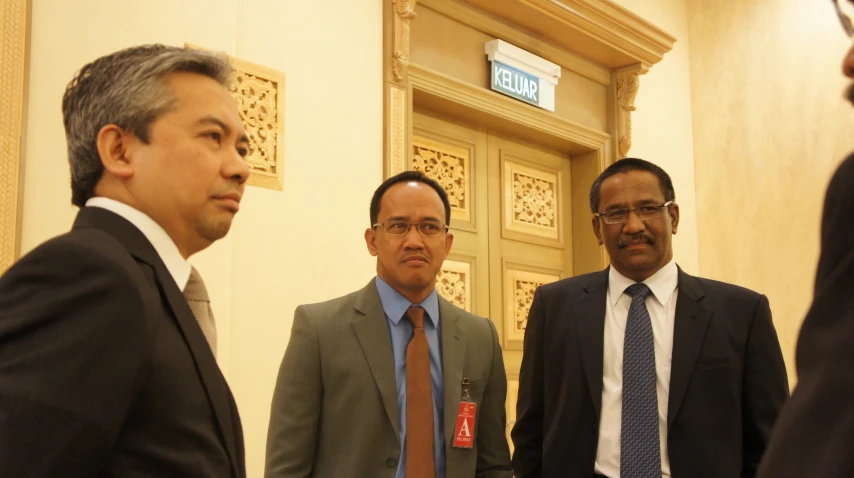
(407,176)
(626,165)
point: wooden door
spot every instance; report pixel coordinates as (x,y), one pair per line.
(510,215)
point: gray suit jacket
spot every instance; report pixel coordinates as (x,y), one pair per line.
(335,411)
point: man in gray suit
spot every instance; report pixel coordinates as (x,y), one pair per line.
(372,383)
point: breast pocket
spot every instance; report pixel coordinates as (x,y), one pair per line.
(720,363)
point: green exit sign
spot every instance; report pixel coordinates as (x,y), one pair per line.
(515,83)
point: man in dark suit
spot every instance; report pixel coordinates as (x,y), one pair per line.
(642,370)
(106,369)
(372,383)
(815,432)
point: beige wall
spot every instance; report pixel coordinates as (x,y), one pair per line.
(305,244)
(661,125)
(301,245)
(769,128)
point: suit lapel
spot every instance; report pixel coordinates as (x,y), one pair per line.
(209,371)
(238,434)
(590,322)
(211,376)
(453,358)
(691,321)
(371,328)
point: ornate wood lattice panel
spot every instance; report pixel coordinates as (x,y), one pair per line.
(260,95)
(532,203)
(518,295)
(454,283)
(450,166)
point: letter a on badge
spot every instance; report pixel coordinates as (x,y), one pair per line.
(464,430)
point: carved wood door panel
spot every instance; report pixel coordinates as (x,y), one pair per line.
(530,239)
(455,156)
(510,216)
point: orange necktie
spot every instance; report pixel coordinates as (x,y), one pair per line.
(420,459)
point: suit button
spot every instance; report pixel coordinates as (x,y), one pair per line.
(390,463)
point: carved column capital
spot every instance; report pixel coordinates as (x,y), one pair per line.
(628,82)
(404,12)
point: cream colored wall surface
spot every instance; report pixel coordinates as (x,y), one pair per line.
(769,128)
(305,244)
(661,125)
(286,248)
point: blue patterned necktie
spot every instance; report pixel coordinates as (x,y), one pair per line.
(640,454)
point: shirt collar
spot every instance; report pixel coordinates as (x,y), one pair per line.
(175,263)
(395,305)
(662,283)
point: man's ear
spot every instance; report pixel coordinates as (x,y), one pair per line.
(449,241)
(114,147)
(674,217)
(597,231)
(371,240)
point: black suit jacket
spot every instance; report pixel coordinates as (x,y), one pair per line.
(104,371)
(728,380)
(815,433)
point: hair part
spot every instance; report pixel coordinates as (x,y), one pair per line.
(404,177)
(631,164)
(126,88)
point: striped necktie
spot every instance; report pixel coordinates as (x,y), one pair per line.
(197,297)
(640,454)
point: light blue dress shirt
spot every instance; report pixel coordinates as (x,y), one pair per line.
(395,306)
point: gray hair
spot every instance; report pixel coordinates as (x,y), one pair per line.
(126,89)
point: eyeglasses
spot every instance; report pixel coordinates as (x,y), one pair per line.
(619,216)
(399,228)
(843,18)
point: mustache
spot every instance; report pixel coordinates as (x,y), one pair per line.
(635,238)
(849,93)
(415,256)
(226,190)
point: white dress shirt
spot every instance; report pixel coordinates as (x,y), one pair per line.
(661,304)
(175,263)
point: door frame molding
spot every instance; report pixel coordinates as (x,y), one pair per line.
(445,94)
(14,49)
(615,48)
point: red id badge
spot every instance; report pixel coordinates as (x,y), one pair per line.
(464,432)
